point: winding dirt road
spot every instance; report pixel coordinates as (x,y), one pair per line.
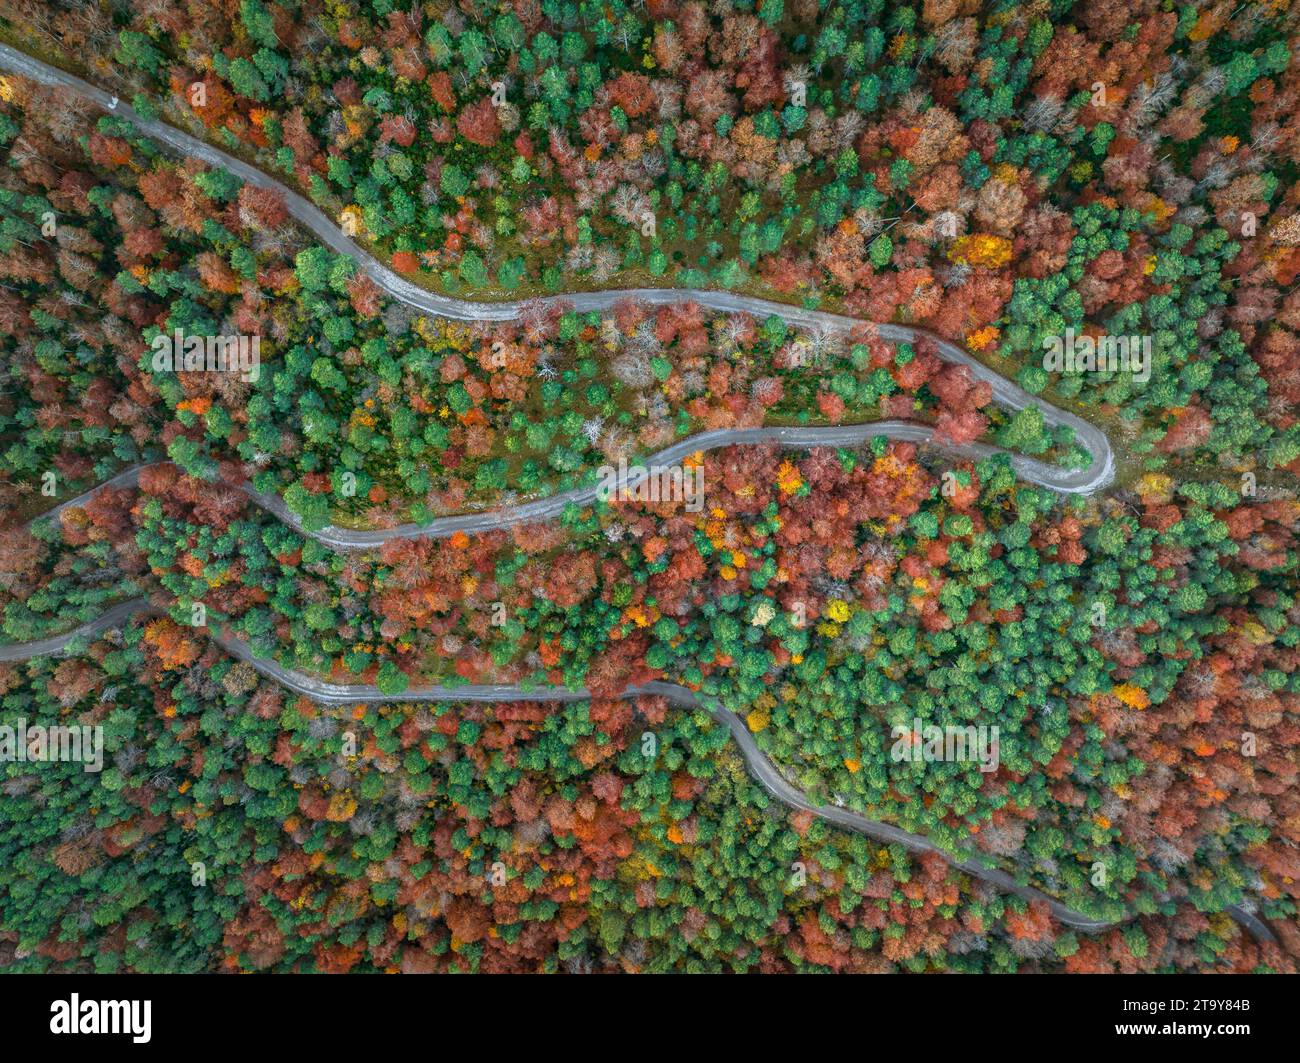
(1099,472)
(756,761)
(552,506)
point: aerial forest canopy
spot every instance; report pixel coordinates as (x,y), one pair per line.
(944,360)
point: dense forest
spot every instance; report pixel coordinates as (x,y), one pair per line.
(987,176)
